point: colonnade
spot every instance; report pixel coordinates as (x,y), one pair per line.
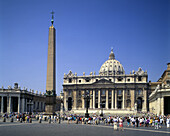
(23,104)
(9,103)
(112,99)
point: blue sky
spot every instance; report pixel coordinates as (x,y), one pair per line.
(138,31)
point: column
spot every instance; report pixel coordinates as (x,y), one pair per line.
(158,110)
(42,106)
(8,104)
(132,95)
(99,98)
(115,99)
(107,99)
(2,104)
(112,101)
(91,100)
(65,100)
(144,106)
(94,99)
(162,106)
(123,104)
(75,99)
(18,104)
(83,101)
(23,105)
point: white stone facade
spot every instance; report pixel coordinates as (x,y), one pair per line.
(112,89)
(159,100)
(21,101)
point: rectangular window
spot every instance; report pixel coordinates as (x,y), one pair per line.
(103,92)
(96,93)
(34,105)
(139,92)
(96,105)
(79,93)
(119,92)
(87,80)
(38,105)
(79,81)
(119,79)
(70,80)
(69,92)
(139,78)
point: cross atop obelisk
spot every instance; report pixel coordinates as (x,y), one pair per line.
(51,70)
(52,20)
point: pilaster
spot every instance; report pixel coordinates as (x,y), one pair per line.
(75,99)
(123,104)
(115,99)
(65,100)
(83,101)
(91,100)
(2,104)
(99,98)
(107,99)
(112,100)
(94,99)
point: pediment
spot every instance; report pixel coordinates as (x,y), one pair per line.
(103,81)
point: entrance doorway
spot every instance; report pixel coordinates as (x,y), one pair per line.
(139,104)
(14,104)
(167,105)
(69,103)
(5,104)
(119,104)
(87,103)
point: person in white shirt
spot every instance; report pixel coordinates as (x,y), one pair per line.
(168,122)
(115,123)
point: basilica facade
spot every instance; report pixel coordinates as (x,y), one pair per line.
(112,90)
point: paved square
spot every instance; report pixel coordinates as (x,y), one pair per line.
(64,129)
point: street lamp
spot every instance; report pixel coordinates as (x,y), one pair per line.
(87,99)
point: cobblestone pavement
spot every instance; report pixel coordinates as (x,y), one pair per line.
(72,129)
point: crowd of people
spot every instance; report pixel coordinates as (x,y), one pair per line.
(117,122)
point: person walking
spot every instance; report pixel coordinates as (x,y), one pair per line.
(156,123)
(121,124)
(115,123)
(161,122)
(128,121)
(137,122)
(168,122)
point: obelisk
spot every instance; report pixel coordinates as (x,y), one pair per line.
(51,71)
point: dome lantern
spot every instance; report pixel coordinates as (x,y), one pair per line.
(111,56)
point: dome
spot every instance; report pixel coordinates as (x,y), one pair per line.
(111,66)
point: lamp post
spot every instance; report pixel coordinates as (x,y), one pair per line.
(87,99)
